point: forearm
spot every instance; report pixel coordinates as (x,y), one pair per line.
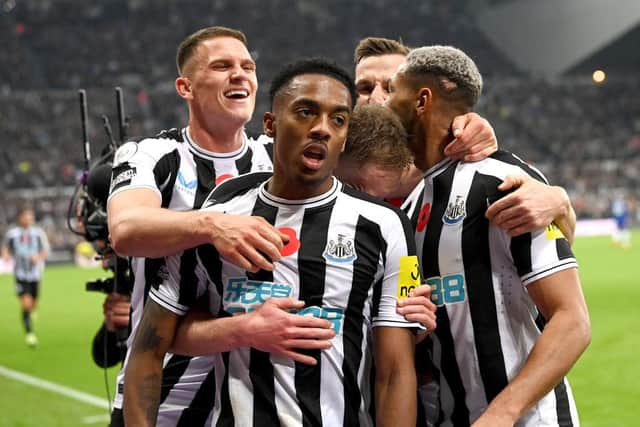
(200,334)
(564,339)
(567,221)
(156,232)
(396,399)
(142,389)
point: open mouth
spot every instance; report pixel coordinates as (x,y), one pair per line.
(237,94)
(313,156)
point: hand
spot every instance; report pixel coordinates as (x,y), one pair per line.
(418,307)
(474,138)
(116,309)
(274,330)
(250,242)
(531,207)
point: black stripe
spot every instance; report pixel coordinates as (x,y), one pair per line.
(188,286)
(167,167)
(201,405)
(449,368)
(210,259)
(171,373)
(226,418)
(563,408)
(520,248)
(311,267)
(563,249)
(260,367)
(206,180)
(480,293)
(269,149)
(244,163)
(369,245)
(234,187)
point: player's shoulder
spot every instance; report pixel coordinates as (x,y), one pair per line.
(163,142)
(503,163)
(235,187)
(12,232)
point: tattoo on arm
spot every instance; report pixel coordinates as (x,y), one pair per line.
(149,396)
(148,340)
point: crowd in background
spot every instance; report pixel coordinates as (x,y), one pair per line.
(583,136)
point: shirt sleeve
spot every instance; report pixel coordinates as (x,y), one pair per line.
(401,273)
(541,253)
(139,165)
(183,282)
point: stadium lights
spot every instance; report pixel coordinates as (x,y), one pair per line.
(599,76)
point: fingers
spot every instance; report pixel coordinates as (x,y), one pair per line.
(298,357)
(511,182)
(285,303)
(474,138)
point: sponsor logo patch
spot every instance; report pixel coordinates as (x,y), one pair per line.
(408,276)
(125,153)
(553,232)
(121,178)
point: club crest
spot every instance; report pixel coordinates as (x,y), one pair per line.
(340,250)
(455,212)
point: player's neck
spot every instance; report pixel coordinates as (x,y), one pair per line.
(284,188)
(220,140)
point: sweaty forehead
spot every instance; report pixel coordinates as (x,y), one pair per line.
(378,68)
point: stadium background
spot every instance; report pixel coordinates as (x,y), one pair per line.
(537,58)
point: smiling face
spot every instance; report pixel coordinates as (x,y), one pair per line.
(219,82)
(309,125)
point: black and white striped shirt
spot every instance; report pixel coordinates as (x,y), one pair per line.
(345,259)
(487,323)
(23,244)
(182,174)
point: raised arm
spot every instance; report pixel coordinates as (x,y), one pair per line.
(144,368)
(565,336)
(533,205)
(138,226)
(395,377)
(270,328)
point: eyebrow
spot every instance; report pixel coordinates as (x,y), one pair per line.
(316,104)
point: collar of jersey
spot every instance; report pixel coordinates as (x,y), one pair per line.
(318,200)
(211,154)
(438,167)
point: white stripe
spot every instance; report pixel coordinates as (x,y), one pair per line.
(56,388)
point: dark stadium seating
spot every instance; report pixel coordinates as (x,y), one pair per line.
(583,136)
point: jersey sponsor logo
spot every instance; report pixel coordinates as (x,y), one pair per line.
(125,153)
(334,315)
(122,178)
(449,289)
(553,232)
(185,184)
(455,212)
(408,276)
(340,250)
(242,296)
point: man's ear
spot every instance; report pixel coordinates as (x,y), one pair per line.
(183,87)
(268,124)
(425,98)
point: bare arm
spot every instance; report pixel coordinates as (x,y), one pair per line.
(138,226)
(533,205)
(565,336)
(270,328)
(144,368)
(396,383)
